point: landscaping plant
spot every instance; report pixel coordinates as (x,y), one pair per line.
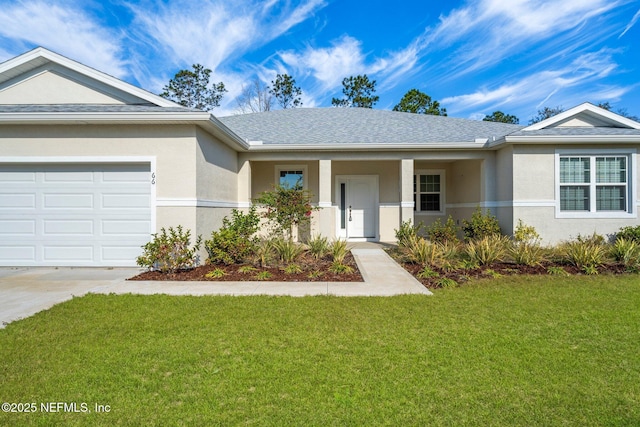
(286,208)
(170,251)
(487,250)
(338,250)
(481,225)
(438,232)
(235,241)
(318,246)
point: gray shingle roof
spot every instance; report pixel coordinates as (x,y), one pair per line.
(91,108)
(359,126)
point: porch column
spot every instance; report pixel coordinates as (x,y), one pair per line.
(244,183)
(325,217)
(406,190)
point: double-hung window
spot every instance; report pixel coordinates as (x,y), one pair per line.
(595,184)
(428,191)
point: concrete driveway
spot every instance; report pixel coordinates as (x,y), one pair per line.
(26,291)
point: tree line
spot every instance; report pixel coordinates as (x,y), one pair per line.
(192,89)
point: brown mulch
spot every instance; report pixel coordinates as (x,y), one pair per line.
(502,269)
(306,262)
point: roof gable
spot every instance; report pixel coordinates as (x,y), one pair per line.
(585,115)
(44,77)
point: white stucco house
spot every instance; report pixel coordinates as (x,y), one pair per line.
(90,166)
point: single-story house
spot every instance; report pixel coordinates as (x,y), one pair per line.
(90,166)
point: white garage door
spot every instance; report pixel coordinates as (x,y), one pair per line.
(74,214)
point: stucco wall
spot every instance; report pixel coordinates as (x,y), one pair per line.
(388,176)
(263,176)
(217,170)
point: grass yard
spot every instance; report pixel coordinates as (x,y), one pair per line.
(517,351)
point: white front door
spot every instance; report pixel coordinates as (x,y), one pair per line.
(358,202)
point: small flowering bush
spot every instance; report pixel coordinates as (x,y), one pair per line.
(286,208)
(170,251)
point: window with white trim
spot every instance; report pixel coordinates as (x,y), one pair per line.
(291,176)
(594,183)
(428,191)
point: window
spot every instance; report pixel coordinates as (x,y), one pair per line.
(428,190)
(595,184)
(290,176)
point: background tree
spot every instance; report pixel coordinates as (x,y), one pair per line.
(255,97)
(415,101)
(191,89)
(622,111)
(285,91)
(358,92)
(499,116)
(545,113)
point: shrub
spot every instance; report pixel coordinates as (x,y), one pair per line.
(595,239)
(526,253)
(443,233)
(318,246)
(286,208)
(417,250)
(247,269)
(487,250)
(170,251)
(234,241)
(445,282)
(287,250)
(315,274)
(427,273)
(264,252)
(338,250)
(481,225)
(557,271)
(292,269)
(525,233)
(215,273)
(406,232)
(263,275)
(340,268)
(626,252)
(629,233)
(583,253)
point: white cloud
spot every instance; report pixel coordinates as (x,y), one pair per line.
(66,30)
(631,23)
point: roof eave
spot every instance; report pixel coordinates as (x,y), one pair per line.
(566,139)
(362,147)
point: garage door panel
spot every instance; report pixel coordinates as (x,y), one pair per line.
(68,177)
(74,214)
(126,227)
(19,254)
(73,253)
(119,201)
(68,227)
(17,227)
(17,201)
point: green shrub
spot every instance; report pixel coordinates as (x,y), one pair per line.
(595,238)
(407,232)
(443,233)
(629,233)
(487,250)
(318,246)
(170,251)
(286,208)
(264,252)
(583,253)
(287,250)
(527,253)
(427,273)
(315,274)
(340,268)
(557,271)
(338,250)
(247,269)
(525,233)
(626,252)
(420,251)
(234,241)
(481,225)
(292,269)
(445,282)
(263,275)
(216,273)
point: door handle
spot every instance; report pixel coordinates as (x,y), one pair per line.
(350,213)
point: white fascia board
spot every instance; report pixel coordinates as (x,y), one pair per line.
(364,147)
(573,139)
(582,108)
(97,117)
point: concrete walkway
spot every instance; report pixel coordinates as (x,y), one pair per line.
(26,291)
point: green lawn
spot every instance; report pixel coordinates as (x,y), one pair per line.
(516,351)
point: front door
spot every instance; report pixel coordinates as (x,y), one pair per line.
(357,196)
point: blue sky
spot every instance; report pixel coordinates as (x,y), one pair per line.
(474,56)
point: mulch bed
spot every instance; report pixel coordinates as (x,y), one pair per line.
(503,269)
(306,262)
